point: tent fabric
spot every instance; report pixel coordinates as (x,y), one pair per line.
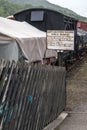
(32,41)
(19,29)
(7,51)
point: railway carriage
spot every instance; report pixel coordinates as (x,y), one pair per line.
(49,19)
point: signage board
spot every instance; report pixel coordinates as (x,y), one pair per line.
(60,39)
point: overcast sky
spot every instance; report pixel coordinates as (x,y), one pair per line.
(79,6)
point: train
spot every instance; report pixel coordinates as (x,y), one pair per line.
(49,19)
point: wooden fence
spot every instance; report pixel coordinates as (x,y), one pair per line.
(31,96)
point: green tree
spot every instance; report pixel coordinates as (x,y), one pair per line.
(7,8)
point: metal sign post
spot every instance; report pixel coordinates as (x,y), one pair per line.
(59,58)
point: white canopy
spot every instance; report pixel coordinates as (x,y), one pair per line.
(15,35)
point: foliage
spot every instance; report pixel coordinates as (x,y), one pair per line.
(9,7)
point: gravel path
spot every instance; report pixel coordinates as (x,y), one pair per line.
(76,99)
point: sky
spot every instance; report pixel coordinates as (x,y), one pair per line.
(78,6)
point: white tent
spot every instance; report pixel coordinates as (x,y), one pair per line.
(17,37)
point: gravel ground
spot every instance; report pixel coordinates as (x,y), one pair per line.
(77,86)
(76,103)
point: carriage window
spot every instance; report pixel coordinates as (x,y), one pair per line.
(37,15)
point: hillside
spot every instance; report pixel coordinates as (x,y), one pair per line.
(45,4)
(32,2)
(26,4)
(7,8)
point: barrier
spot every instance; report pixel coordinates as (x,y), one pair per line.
(31,96)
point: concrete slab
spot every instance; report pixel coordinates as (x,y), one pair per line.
(76,121)
(56,122)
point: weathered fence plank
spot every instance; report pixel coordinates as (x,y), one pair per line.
(33,95)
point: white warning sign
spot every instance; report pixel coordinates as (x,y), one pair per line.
(60,39)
